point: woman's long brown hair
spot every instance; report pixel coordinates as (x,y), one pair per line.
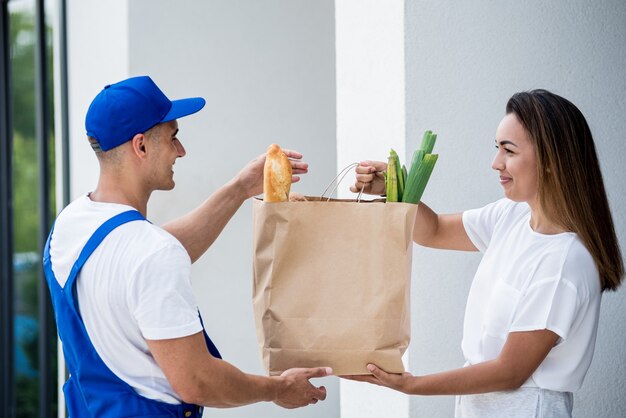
(571,188)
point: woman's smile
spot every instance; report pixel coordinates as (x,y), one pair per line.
(505,180)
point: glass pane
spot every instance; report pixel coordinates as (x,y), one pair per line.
(27,253)
(50,7)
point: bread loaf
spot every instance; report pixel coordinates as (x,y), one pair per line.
(276,175)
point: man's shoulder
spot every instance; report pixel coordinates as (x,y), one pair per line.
(83,217)
(126,245)
(148,234)
(84,209)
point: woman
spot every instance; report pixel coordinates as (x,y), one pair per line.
(550,250)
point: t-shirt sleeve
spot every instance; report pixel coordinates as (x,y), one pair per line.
(555,301)
(480,223)
(161,298)
(550,303)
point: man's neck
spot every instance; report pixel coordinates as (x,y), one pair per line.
(126,194)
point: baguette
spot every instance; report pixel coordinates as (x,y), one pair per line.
(276,175)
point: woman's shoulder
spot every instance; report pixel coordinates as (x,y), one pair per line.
(579,267)
(507,207)
(501,208)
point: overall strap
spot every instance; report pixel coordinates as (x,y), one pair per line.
(209,343)
(94,241)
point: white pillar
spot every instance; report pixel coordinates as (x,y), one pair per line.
(370,121)
(90,62)
(98,44)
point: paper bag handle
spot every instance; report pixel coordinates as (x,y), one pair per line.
(338,178)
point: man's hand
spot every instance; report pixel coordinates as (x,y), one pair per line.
(296,390)
(198,229)
(382,378)
(369,177)
(250,178)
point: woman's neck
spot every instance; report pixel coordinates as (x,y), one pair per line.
(541,224)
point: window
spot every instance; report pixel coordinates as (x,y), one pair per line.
(27,197)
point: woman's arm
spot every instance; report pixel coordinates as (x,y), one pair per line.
(521,355)
(431,230)
(445,232)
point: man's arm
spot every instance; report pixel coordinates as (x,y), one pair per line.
(201,379)
(198,229)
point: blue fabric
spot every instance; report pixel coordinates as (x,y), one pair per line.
(93,390)
(132,106)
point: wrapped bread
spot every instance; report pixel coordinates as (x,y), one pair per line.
(276,175)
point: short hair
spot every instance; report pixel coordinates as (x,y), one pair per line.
(107,157)
(113,155)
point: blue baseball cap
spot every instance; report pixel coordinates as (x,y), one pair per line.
(132,106)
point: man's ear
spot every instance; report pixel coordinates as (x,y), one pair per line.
(138,144)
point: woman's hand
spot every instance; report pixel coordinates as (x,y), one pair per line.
(521,355)
(396,381)
(369,178)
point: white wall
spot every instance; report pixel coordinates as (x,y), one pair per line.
(370,121)
(97,37)
(464,60)
(266,69)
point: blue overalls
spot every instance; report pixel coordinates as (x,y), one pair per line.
(92,389)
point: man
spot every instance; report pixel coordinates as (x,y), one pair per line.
(132,336)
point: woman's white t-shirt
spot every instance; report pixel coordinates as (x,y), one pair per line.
(530,281)
(135,286)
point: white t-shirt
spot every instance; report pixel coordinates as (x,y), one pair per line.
(530,281)
(135,286)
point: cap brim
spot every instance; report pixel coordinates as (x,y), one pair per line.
(184,107)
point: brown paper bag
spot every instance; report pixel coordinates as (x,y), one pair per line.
(332,283)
